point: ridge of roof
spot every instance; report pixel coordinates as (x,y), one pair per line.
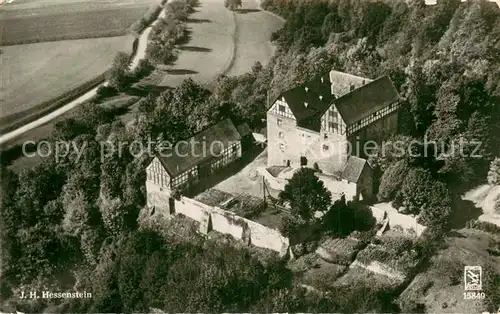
(224,132)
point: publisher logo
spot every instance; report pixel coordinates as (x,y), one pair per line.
(473,277)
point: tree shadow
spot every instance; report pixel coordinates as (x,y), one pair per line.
(180,71)
(190,20)
(145,90)
(195,48)
(245,11)
(186,38)
(463,212)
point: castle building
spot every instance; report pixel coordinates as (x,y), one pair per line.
(323,122)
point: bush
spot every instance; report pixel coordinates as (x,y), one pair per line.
(106,91)
(149,17)
(392,179)
(483,225)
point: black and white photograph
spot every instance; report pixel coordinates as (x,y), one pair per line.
(250,156)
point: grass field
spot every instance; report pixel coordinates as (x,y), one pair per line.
(221,42)
(209,50)
(34,73)
(50,20)
(253,37)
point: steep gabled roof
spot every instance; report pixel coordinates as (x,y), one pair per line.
(343,83)
(309,101)
(192,153)
(244,129)
(367,99)
(354,168)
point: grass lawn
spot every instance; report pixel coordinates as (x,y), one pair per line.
(49,20)
(34,73)
(221,42)
(253,37)
(209,50)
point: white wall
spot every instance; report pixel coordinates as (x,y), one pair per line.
(406,222)
(224,222)
(268,238)
(157,197)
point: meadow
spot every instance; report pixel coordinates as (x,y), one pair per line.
(221,42)
(34,73)
(52,20)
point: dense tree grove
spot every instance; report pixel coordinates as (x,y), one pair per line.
(75,217)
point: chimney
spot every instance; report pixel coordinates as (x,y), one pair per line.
(306,88)
(322,80)
(305,104)
(320,97)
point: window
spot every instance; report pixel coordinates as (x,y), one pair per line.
(375,114)
(325,148)
(281,135)
(334,127)
(282,147)
(234,148)
(280,122)
(281,108)
(325,136)
(334,114)
(303,161)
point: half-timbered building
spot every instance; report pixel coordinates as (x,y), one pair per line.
(320,122)
(196,158)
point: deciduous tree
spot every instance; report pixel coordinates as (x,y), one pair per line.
(306,194)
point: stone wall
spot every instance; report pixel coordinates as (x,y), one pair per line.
(227,223)
(381,269)
(194,210)
(217,219)
(158,198)
(264,237)
(395,219)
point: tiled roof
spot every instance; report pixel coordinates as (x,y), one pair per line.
(244,129)
(191,152)
(354,168)
(342,82)
(367,99)
(309,101)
